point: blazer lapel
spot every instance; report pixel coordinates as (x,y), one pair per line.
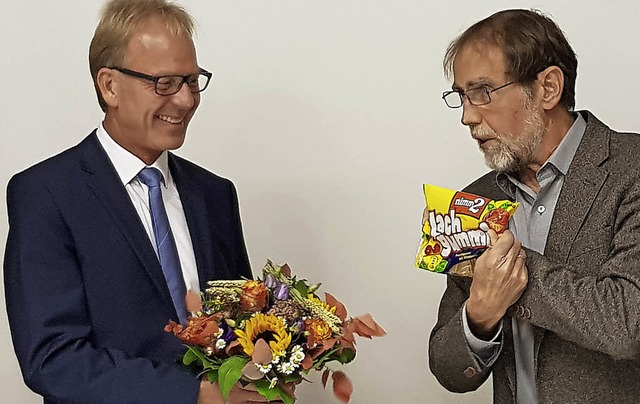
(580,189)
(195,211)
(583,183)
(102,178)
(509,348)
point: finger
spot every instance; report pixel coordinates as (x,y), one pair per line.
(523,253)
(513,255)
(515,250)
(425,215)
(519,261)
(522,258)
(495,255)
(493,237)
(503,244)
(520,272)
(506,262)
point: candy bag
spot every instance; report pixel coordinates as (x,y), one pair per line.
(454,229)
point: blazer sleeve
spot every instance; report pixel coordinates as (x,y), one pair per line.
(450,358)
(589,300)
(241,260)
(48,312)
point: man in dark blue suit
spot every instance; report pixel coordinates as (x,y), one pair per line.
(86,287)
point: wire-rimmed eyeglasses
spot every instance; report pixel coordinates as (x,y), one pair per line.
(476,96)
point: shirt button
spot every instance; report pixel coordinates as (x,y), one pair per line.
(541,209)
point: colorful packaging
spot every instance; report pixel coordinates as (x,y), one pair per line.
(454,229)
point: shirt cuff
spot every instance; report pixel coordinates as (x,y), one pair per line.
(486,352)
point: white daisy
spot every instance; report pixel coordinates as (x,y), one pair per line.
(286,368)
(264,368)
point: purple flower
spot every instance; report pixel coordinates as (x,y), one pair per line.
(282,291)
(270,281)
(298,326)
(228,334)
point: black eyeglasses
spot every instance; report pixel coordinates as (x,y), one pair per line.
(169,85)
(476,96)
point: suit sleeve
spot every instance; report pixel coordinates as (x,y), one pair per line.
(48,314)
(242,266)
(450,356)
(593,303)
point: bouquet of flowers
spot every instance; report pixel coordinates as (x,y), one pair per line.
(270,332)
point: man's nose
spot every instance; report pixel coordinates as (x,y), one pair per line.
(470,113)
(184,98)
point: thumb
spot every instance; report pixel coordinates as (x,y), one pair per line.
(193,301)
(425,216)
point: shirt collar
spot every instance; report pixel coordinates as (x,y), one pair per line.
(566,150)
(126,164)
(560,159)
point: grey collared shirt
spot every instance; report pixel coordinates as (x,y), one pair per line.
(530,224)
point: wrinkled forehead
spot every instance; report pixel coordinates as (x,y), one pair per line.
(479,63)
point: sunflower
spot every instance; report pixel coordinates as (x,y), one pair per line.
(267,327)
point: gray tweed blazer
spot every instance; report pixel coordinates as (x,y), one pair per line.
(583,295)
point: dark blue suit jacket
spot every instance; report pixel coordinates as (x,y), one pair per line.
(86,298)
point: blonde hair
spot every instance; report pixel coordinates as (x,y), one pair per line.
(119,19)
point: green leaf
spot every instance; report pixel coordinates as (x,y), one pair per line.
(287,399)
(301,287)
(189,357)
(206,362)
(347,356)
(291,378)
(212,376)
(272,393)
(263,388)
(327,356)
(230,372)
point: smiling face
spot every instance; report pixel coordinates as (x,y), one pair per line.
(510,128)
(141,121)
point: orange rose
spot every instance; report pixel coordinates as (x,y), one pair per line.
(318,331)
(254,296)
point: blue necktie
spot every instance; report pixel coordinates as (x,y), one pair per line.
(167,250)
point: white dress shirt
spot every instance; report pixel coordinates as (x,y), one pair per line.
(128,166)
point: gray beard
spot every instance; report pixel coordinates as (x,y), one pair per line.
(514,153)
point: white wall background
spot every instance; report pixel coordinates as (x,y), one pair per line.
(327,116)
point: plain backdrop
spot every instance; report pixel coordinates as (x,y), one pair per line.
(327,116)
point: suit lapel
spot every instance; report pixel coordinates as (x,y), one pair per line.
(102,178)
(509,349)
(581,187)
(195,211)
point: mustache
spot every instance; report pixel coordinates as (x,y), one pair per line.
(481,133)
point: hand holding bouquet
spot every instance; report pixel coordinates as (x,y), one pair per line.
(270,332)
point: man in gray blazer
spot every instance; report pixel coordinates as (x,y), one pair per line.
(553,309)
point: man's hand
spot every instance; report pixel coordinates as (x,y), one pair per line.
(210,394)
(499,278)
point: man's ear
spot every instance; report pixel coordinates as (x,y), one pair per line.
(551,81)
(108,86)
